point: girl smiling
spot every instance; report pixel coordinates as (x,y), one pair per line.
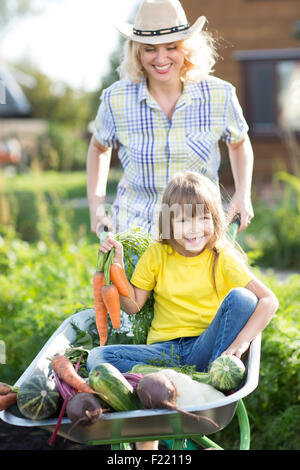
(207,302)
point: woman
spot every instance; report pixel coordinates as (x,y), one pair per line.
(166,115)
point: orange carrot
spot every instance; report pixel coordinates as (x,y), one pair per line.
(66,371)
(100,308)
(119,279)
(111,300)
(7,400)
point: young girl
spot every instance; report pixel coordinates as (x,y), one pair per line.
(207,302)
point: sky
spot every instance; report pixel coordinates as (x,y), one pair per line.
(71,41)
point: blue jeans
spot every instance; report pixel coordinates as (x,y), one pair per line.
(233,314)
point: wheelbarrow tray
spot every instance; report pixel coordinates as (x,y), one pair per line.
(125,426)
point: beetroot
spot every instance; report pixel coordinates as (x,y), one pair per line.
(156,390)
(84,409)
(133,378)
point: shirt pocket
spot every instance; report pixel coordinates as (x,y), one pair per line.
(199,149)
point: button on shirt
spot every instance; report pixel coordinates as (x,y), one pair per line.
(153,149)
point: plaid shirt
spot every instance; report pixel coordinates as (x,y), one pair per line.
(153,149)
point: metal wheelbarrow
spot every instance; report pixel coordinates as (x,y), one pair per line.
(119,429)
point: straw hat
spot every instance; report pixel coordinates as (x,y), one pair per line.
(160,21)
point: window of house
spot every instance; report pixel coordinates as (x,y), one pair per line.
(272,90)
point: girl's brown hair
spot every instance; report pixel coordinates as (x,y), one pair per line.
(193,190)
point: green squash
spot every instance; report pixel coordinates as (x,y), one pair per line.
(38,398)
(227,373)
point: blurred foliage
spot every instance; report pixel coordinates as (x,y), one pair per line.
(69,114)
(56,101)
(41,284)
(61,149)
(68,185)
(274,407)
(108,79)
(273,238)
(21,197)
(10,10)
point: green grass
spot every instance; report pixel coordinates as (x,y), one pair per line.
(79,219)
(65,184)
(22,195)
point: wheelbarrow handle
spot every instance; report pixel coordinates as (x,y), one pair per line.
(234,226)
(101,230)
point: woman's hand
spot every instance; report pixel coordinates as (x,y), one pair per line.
(98,162)
(101,223)
(241,159)
(108,243)
(241,204)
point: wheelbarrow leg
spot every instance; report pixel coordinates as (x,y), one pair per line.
(244,426)
(121,446)
(243,420)
(205,442)
(179,444)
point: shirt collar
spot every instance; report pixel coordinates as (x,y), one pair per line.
(195,89)
(185,98)
(143,92)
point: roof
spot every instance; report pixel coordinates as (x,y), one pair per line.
(13,102)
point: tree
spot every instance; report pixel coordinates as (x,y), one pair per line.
(56,101)
(108,79)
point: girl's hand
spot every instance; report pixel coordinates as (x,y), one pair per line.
(236,350)
(108,243)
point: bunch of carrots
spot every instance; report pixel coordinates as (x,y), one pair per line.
(109,281)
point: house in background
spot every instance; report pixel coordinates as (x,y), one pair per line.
(18,131)
(13,102)
(259,45)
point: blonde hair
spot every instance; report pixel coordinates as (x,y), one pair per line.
(199,58)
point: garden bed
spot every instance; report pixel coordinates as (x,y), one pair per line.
(24,438)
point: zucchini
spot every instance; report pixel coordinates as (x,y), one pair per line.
(113,388)
(225,373)
(145,369)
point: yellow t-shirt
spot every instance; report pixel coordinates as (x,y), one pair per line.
(185,298)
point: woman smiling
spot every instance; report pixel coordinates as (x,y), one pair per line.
(165,115)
